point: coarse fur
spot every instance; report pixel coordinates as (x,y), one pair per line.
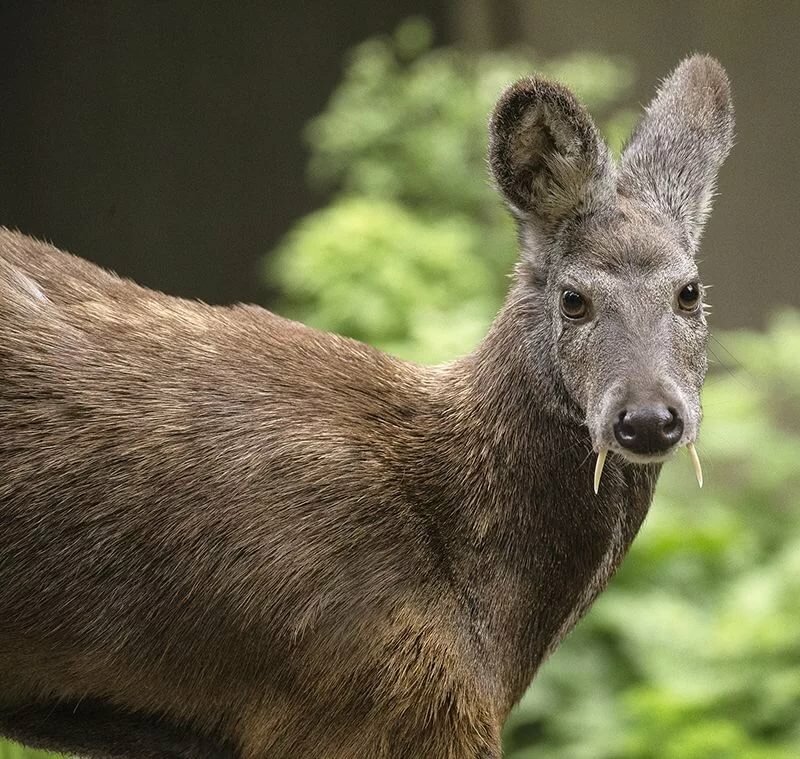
(225,534)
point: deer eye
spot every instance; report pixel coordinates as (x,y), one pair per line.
(573,305)
(689,297)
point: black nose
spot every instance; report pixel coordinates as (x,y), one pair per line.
(648,429)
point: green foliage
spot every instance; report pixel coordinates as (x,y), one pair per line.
(10,750)
(381,284)
(693,652)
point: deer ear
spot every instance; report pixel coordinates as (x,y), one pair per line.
(546,154)
(672,159)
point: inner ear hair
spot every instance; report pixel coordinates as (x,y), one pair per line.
(546,154)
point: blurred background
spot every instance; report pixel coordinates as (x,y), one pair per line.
(327,161)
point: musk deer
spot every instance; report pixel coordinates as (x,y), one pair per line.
(223,533)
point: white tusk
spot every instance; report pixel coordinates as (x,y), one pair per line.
(698,470)
(598,468)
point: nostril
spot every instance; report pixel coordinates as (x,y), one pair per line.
(672,421)
(648,429)
(624,429)
(673,427)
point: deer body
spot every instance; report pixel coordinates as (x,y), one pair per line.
(223,533)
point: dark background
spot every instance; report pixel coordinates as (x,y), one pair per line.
(164,139)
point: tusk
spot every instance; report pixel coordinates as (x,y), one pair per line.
(698,470)
(598,468)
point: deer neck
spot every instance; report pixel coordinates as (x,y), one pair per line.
(526,542)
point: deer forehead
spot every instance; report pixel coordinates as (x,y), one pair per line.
(626,254)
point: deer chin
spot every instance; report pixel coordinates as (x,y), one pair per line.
(636,458)
(645,458)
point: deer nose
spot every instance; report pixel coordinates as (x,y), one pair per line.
(648,429)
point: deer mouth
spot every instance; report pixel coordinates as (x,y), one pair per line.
(642,459)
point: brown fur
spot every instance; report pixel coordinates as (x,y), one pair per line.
(225,533)
(206,508)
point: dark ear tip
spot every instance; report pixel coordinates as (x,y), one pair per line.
(705,78)
(535,103)
(518,97)
(703,66)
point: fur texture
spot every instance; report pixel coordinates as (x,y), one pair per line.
(223,533)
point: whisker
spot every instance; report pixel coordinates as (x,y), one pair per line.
(740,367)
(585,459)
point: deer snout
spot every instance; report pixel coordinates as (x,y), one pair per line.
(648,430)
